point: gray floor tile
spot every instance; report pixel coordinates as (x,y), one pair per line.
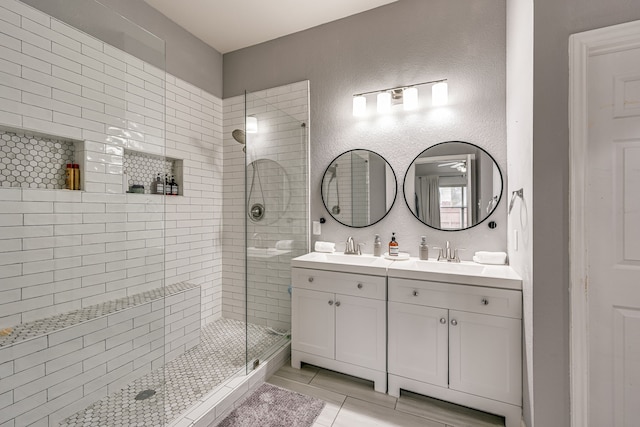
(359,413)
(351,386)
(303,375)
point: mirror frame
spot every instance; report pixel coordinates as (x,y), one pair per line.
(477,223)
(395,197)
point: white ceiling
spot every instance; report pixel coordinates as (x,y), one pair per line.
(229,25)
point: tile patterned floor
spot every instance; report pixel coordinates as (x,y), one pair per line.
(220,354)
(352,402)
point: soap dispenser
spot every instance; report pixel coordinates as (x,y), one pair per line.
(424,249)
(377,246)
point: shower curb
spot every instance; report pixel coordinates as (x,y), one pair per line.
(216,405)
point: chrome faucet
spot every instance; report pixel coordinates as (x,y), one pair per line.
(351,248)
(448,254)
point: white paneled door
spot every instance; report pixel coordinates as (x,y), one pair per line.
(612,233)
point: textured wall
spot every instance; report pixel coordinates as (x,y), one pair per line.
(553,23)
(406,42)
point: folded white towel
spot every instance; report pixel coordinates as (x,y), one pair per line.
(284,245)
(325,247)
(485,257)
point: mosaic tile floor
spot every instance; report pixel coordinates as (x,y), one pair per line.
(47,325)
(220,354)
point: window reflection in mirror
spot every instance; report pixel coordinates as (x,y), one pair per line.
(453,186)
(358,188)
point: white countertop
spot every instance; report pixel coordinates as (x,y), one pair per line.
(465,272)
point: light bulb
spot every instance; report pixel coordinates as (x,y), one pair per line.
(439,94)
(252,124)
(359,106)
(410,98)
(384,102)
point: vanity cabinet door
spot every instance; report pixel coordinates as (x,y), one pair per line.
(418,342)
(313,322)
(361,331)
(485,356)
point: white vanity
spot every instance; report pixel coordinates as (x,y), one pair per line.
(451,331)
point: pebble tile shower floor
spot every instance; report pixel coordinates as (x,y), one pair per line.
(220,354)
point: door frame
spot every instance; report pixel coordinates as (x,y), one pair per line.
(581,47)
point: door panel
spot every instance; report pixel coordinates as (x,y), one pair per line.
(312,322)
(361,332)
(612,206)
(485,356)
(418,342)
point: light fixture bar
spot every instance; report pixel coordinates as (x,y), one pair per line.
(400,87)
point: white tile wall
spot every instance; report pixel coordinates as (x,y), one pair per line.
(283,141)
(101,244)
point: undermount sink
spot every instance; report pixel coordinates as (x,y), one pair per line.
(365,264)
(449,267)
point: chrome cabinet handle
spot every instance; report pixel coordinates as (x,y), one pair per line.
(310,279)
(485,301)
(330,302)
(415,293)
(337,303)
(359,285)
(454,322)
(443,320)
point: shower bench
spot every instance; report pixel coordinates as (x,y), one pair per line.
(56,366)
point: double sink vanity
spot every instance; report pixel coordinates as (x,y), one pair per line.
(451,331)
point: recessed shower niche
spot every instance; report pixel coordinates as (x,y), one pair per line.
(142,169)
(33,161)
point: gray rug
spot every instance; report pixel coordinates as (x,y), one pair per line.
(271,406)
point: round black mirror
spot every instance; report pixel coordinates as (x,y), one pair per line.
(453,185)
(359,188)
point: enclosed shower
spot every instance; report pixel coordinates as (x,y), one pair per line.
(120,306)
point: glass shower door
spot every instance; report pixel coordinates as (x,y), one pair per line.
(277,216)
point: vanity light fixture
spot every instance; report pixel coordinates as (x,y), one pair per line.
(252,124)
(407,96)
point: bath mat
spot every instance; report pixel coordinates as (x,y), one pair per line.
(271,406)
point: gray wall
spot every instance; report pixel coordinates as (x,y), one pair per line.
(187,57)
(554,21)
(402,43)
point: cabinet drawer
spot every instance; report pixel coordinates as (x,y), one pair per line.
(476,299)
(358,285)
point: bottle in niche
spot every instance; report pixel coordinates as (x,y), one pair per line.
(167,185)
(394,247)
(69,177)
(424,249)
(377,246)
(76,176)
(174,186)
(156,186)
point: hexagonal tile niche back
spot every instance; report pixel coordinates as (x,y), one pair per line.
(31,161)
(142,168)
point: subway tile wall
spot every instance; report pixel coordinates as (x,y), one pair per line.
(281,140)
(63,250)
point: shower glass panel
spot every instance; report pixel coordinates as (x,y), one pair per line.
(277,214)
(84,276)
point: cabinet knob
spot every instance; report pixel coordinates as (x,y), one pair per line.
(485,301)
(337,303)
(415,293)
(310,279)
(454,322)
(443,320)
(330,302)
(359,285)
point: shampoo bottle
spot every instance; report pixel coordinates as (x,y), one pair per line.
(424,249)
(394,248)
(377,246)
